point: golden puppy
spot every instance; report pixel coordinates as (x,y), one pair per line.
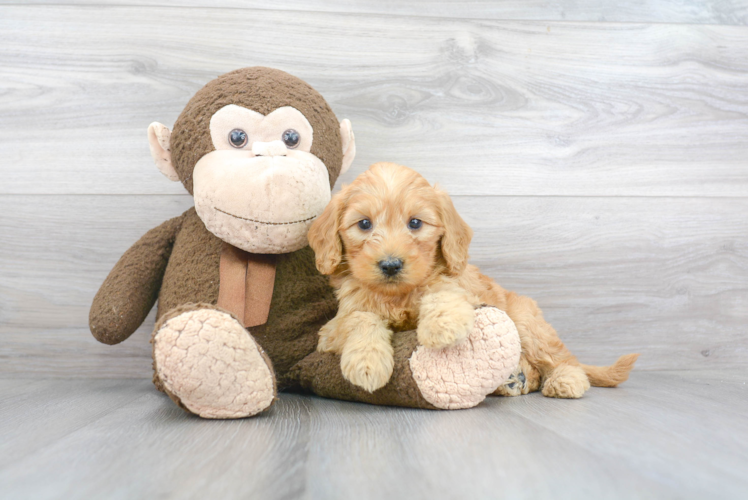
(397,253)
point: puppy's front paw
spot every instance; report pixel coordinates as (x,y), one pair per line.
(330,338)
(326,335)
(447,326)
(369,367)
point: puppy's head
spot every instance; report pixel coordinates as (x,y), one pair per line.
(392,230)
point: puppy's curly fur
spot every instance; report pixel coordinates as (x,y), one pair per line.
(397,253)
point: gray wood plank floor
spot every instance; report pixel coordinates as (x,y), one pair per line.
(661,435)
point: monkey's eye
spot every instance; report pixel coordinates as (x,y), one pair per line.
(238,138)
(291,138)
(415,223)
(364,224)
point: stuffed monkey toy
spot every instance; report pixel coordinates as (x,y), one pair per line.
(240,300)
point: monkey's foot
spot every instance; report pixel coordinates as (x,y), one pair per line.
(208,363)
(463,375)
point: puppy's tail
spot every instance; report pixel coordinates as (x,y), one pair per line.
(611,376)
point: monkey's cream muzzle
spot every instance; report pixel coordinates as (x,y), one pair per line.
(261,188)
(261,204)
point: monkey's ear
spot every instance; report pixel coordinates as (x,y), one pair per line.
(158,138)
(455,241)
(349,144)
(324,238)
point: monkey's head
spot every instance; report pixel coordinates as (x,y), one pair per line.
(259,150)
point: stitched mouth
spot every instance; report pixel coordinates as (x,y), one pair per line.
(264,222)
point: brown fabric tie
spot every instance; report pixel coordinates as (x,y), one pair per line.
(246,284)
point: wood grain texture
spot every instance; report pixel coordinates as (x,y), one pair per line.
(484,107)
(661,435)
(613,275)
(71,405)
(652,11)
(659,406)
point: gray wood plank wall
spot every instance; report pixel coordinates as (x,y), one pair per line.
(600,152)
(733,12)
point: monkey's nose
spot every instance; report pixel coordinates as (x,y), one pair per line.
(390,267)
(272,148)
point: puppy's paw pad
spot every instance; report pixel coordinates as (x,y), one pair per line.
(515,386)
(566,382)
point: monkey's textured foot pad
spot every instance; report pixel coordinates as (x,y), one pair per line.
(463,375)
(207,360)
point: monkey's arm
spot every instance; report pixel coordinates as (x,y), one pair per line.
(131,289)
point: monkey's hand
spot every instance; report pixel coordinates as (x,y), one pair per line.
(131,289)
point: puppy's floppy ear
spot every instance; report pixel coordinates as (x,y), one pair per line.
(457,235)
(324,238)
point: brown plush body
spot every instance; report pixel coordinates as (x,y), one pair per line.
(220,266)
(302,298)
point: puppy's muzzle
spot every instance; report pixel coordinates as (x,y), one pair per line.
(390,267)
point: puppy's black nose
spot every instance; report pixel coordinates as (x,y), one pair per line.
(390,267)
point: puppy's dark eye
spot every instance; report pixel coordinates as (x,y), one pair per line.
(291,138)
(415,223)
(364,224)
(238,138)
